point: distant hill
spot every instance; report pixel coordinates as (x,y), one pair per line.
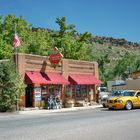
(114,42)
(116,48)
(109,41)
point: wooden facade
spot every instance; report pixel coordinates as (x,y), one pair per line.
(36,63)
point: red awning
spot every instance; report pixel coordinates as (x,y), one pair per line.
(44,78)
(57,78)
(83,79)
(35,78)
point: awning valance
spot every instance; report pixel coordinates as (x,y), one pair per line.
(44,78)
(83,79)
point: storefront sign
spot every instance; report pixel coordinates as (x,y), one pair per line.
(37,98)
(37,92)
(56,57)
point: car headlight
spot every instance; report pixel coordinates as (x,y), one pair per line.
(119,101)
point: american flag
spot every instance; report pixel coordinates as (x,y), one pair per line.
(16,41)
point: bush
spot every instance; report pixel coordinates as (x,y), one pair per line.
(10,86)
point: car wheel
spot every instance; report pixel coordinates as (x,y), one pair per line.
(128,105)
(110,108)
(104,105)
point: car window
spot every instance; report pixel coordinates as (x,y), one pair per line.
(103,89)
(128,93)
(138,94)
(122,93)
(116,93)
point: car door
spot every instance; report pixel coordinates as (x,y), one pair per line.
(138,99)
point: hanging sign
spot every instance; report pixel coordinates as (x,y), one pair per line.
(56,57)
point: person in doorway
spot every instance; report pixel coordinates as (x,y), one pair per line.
(58,102)
(50,102)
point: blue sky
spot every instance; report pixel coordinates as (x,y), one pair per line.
(111,18)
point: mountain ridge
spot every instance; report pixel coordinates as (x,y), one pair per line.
(110,41)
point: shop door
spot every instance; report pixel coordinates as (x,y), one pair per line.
(29,96)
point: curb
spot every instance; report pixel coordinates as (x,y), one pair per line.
(30,112)
(45,111)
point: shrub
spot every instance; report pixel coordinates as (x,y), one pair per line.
(11,86)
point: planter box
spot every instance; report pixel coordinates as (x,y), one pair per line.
(69,103)
(80,103)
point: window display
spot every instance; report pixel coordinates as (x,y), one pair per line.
(44,92)
(78,94)
(37,91)
(81,91)
(84,91)
(51,89)
(57,90)
(69,91)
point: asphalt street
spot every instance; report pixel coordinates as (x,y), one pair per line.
(91,124)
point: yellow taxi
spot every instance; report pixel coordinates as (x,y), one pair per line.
(124,99)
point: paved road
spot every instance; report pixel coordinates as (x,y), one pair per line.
(91,124)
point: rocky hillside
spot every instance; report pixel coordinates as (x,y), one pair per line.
(108,41)
(114,42)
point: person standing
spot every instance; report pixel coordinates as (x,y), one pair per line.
(50,102)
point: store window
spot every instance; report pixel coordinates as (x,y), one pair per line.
(70,92)
(57,90)
(51,89)
(37,91)
(81,91)
(78,93)
(84,90)
(44,92)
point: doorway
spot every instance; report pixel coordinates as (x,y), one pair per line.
(29,96)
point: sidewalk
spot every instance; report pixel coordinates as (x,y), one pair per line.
(36,111)
(42,111)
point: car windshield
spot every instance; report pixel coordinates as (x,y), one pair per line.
(103,89)
(122,93)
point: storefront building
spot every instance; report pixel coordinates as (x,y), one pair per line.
(73,80)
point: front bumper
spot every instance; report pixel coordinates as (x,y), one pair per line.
(115,105)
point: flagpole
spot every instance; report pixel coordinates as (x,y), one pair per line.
(15,51)
(16,61)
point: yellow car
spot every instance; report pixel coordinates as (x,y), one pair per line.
(124,99)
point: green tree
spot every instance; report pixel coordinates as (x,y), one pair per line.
(71,44)
(39,42)
(64,27)
(7,29)
(11,86)
(136,64)
(125,65)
